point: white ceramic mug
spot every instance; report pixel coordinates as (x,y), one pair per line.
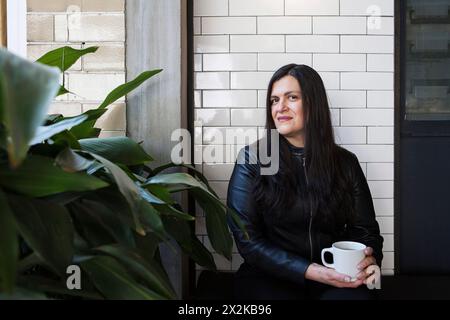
(346,257)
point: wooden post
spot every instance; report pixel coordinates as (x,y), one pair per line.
(3,33)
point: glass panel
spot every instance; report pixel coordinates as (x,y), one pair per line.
(427,87)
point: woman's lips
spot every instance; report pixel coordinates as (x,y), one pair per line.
(284,118)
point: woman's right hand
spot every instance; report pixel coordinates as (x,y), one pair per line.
(319,273)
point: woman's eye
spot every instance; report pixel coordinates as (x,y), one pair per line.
(293,97)
(273,101)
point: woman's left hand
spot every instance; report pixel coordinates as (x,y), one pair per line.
(365,263)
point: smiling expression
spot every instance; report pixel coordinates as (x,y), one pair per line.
(287,109)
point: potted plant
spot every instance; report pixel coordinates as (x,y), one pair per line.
(69,199)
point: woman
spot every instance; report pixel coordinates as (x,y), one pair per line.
(318,196)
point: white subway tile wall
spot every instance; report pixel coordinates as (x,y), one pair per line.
(350,43)
(80,24)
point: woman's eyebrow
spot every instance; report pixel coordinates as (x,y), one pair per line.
(287,93)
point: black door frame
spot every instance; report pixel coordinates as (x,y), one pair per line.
(191,272)
(398,54)
(402,127)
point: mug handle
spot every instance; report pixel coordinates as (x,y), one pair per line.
(326,264)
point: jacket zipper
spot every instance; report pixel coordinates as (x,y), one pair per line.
(310,213)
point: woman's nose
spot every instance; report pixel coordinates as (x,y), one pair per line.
(282,106)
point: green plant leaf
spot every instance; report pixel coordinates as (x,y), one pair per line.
(170,210)
(147,270)
(46,132)
(200,190)
(67,139)
(179,230)
(2,133)
(126,88)
(64,57)
(63,198)
(100,225)
(191,170)
(233,214)
(201,255)
(47,228)
(87,130)
(215,211)
(127,187)
(188,241)
(29,261)
(46,150)
(178,178)
(89,227)
(151,218)
(161,192)
(147,245)
(62,91)
(70,161)
(114,282)
(39,177)
(50,287)
(117,149)
(150,198)
(53,118)
(23,294)
(216,222)
(113,199)
(9,246)
(92,117)
(26,91)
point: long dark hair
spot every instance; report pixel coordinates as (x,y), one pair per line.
(328,190)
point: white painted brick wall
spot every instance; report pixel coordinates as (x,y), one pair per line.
(272,61)
(380,135)
(213,44)
(250,80)
(367,117)
(367,80)
(213,117)
(212,80)
(384,207)
(339,25)
(230,62)
(380,62)
(346,99)
(52,24)
(350,135)
(98,27)
(312,8)
(284,25)
(229,98)
(339,62)
(312,43)
(258,43)
(380,171)
(240,43)
(229,25)
(380,99)
(367,44)
(367,7)
(210,7)
(256,7)
(248,117)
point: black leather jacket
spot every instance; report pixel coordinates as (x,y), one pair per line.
(284,244)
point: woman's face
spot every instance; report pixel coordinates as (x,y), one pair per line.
(287,108)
